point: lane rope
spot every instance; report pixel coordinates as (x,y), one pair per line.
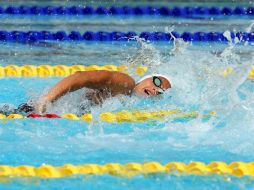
(118,117)
(128,10)
(238,169)
(63,70)
(35,36)
(58,70)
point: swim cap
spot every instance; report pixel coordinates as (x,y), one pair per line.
(154,75)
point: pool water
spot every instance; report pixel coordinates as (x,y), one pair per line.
(198,84)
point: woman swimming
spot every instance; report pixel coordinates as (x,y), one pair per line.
(101,84)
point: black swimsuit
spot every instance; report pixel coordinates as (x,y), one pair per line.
(22,108)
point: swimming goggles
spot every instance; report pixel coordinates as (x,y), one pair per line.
(157,82)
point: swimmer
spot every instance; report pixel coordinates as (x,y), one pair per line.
(101,84)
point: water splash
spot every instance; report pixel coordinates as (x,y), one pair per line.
(146,55)
(249,28)
(179,45)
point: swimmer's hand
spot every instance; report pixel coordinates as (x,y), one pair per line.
(41,105)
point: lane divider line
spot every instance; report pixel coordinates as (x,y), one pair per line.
(35,36)
(59,70)
(119,117)
(63,70)
(217,168)
(186,11)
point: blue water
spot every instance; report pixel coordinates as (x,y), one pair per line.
(139,182)
(225,137)
(197,85)
(125,23)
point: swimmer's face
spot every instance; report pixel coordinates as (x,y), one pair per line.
(152,86)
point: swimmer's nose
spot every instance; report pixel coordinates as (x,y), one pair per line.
(155,92)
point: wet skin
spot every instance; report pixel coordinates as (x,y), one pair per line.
(102,84)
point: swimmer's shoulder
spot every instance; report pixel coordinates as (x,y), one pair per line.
(123,77)
(120,83)
(110,78)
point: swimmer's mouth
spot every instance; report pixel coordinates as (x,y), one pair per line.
(147,92)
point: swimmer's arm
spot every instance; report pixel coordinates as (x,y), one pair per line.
(116,82)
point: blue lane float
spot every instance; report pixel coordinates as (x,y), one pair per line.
(127,10)
(35,36)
